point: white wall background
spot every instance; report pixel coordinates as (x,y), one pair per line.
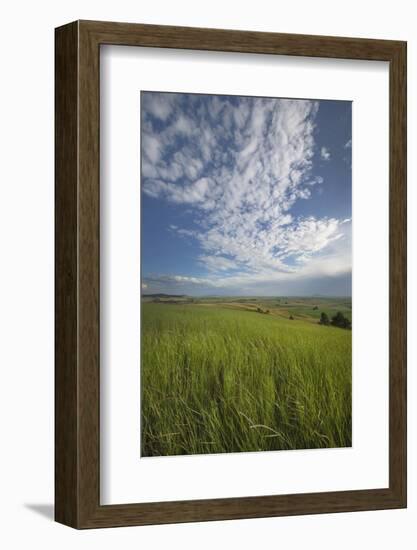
(26,272)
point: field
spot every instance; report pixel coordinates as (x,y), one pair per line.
(243,374)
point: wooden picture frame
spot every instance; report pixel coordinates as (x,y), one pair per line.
(77,374)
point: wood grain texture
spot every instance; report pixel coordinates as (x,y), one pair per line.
(398,272)
(66,237)
(78,284)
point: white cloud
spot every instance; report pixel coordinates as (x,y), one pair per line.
(184,126)
(158,105)
(151,148)
(334,263)
(310,235)
(325,153)
(348,144)
(217,263)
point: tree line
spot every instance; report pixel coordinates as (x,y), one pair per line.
(338,320)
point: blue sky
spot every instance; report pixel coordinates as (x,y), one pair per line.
(245,195)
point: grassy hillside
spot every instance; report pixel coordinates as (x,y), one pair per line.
(216,378)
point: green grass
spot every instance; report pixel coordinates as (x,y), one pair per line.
(216,379)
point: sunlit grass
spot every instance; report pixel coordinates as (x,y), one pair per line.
(218,380)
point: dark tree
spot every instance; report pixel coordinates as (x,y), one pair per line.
(324,319)
(291,318)
(339,320)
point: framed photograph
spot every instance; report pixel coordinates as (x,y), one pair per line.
(230,274)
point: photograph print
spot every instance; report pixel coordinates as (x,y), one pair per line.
(246,274)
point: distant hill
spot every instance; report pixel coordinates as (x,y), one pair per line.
(161,295)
